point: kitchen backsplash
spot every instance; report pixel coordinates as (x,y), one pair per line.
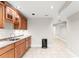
(4,33)
(21,32)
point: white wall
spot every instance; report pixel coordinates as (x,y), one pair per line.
(5,33)
(40,28)
(24,33)
(7,30)
(8,25)
(61,30)
(71,36)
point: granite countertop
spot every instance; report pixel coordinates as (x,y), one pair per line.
(7,42)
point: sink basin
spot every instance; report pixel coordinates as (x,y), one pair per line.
(10,39)
(13,39)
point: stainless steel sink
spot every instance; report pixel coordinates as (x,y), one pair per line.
(12,39)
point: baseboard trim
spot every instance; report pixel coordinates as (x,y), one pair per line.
(49,46)
(35,45)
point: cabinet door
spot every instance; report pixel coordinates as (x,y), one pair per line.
(9,13)
(17,21)
(1,15)
(8,54)
(29,41)
(6,48)
(23,48)
(18,51)
(23,24)
(27,44)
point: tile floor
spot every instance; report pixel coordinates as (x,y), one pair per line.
(58,50)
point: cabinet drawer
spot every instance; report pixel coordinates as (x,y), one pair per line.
(6,48)
(19,42)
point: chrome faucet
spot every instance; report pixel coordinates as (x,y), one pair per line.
(12,36)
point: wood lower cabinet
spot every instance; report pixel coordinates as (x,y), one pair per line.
(23,48)
(7,52)
(29,42)
(27,46)
(17,49)
(20,48)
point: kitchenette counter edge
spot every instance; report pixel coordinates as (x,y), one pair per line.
(6,43)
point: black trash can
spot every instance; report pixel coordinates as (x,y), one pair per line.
(44,43)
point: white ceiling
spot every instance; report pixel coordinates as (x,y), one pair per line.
(40,8)
(71,9)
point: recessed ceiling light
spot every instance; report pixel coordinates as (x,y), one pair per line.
(33,13)
(51,7)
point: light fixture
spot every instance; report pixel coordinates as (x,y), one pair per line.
(51,7)
(33,13)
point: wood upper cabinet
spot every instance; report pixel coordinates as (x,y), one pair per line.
(13,16)
(17,21)
(2,15)
(23,23)
(9,13)
(20,21)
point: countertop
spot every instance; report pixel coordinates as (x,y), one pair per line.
(6,42)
